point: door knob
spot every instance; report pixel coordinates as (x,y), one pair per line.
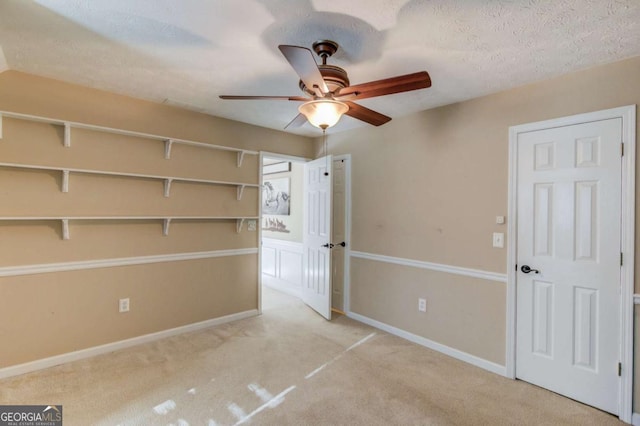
(527,269)
(328,245)
(342,244)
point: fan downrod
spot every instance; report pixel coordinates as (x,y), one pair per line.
(325,49)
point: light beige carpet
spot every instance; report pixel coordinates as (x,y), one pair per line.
(289,367)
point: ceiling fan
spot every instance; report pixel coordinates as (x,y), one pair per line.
(330,94)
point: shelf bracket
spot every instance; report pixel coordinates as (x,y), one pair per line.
(65,229)
(239,223)
(67,135)
(0,126)
(167,149)
(240,158)
(167,187)
(240,191)
(65,181)
(165,227)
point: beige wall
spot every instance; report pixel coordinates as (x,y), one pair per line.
(391,294)
(28,94)
(50,314)
(426,187)
(429,186)
(53,313)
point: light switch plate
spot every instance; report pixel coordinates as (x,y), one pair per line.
(123,305)
(498,239)
(500,220)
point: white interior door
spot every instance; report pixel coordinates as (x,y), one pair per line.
(316,291)
(568,229)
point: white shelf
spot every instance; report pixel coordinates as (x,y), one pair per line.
(168,141)
(166,220)
(167,179)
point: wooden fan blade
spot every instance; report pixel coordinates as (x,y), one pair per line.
(365,114)
(388,86)
(301,59)
(299,121)
(265,98)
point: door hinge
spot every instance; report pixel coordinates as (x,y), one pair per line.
(619,369)
(622,149)
(621,259)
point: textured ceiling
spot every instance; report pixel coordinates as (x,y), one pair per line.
(187,52)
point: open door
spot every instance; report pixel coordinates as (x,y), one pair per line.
(316,286)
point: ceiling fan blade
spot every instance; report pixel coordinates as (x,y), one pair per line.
(298,121)
(301,59)
(365,114)
(265,98)
(388,86)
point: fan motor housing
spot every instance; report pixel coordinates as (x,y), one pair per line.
(334,77)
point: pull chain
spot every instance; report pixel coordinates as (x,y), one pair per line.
(324,142)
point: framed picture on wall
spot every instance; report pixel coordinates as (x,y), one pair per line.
(283,166)
(276,197)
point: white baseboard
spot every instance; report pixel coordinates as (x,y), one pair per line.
(454,353)
(40,364)
(635,419)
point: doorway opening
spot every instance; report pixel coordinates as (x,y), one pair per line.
(284,263)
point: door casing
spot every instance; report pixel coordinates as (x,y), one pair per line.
(347,229)
(628,116)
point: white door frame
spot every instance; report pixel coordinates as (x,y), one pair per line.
(628,116)
(347,231)
(347,250)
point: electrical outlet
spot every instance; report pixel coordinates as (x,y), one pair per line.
(498,239)
(123,305)
(422,305)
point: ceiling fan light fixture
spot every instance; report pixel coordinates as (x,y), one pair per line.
(323,113)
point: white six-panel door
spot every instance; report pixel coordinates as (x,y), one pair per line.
(568,229)
(316,290)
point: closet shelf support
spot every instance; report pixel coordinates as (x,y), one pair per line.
(167,149)
(167,187)
(67,135)
(65,229)
(239,192)
(65,181)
